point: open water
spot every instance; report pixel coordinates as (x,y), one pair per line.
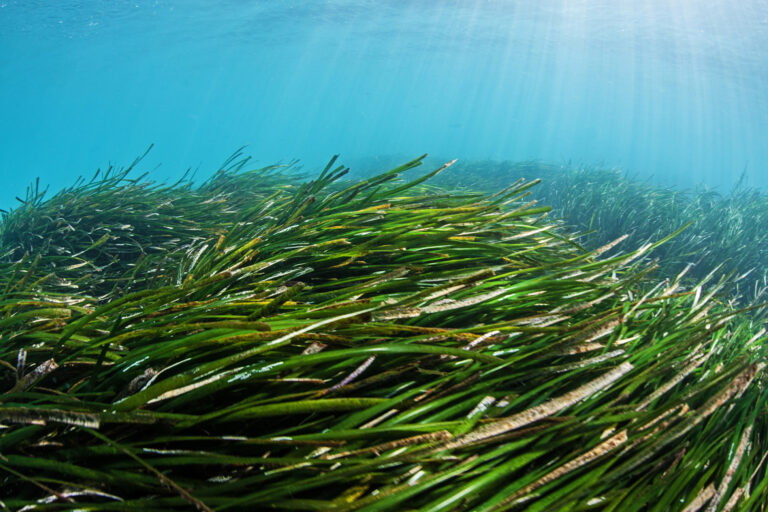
(670,90)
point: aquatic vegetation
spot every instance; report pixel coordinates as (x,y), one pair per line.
(727,232)
(367,345)
(115,233)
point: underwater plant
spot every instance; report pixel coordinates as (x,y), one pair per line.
(379,344)
(727,232)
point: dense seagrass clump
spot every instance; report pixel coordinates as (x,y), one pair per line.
(114,233)
(727,233)
(370,345)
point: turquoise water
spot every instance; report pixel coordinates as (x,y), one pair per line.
(670,90)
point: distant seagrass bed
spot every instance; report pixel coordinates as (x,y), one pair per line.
(271,339)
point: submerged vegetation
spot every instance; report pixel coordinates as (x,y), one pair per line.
(259,342)
(727,232)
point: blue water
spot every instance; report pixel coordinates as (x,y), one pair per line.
(675,91)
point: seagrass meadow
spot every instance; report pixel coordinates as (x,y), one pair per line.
(267,341)
(727,230)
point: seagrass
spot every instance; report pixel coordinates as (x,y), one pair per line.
(270,342)
(727,227)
